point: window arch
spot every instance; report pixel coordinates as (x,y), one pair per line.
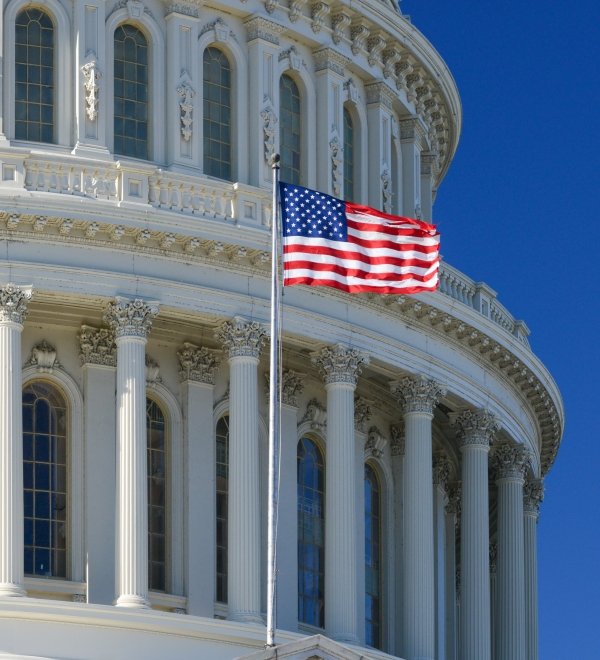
(290,130)
(157,495)
(373,600)
(349,157)
(34,76)
(217,114)
(311,533)
(45,485)
(222,488)
(131,116)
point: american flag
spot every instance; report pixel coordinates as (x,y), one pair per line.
(329,242)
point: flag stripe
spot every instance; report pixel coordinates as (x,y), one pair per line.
(323,246)
(360,287)
(302,268)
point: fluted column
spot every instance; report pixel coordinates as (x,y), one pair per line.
(511,463)
(418,397)
(452,516)
(441,474)
(13,309)
(243,341)
(131,321)
(533,496)
(475,431)
(397,450)
(340,367)
(493,596)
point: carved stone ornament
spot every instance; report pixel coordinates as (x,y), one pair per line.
(269,130)
(91,76)
(386,190)
(375,46)
(339,23)
(296,9)
(318,11)
(340,364)
(533,495)
(417,393)
(198,363)
(293,57)
(441,470)
(315,415)
(13,303)
(79,598)
(453,507)
(292,384)
(242,338)
(130,318)
(270,6)
(97,346)
(186,93)
(375,444)
(510,461)
(336,165)
(152,371)
(221,30)
(351,91)
(362,413)
(475,427)
(398,440)
(358,35)
(183,8)
(258,27)
(43,357)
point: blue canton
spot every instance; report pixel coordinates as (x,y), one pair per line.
(312,214)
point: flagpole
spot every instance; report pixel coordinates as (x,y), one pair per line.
(274,416)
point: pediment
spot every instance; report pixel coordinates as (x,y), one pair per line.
(316,647)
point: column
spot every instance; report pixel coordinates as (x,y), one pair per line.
(428,164)
(474,432)
(340,367)
(131,321)
(397,449)
(441,473)
(493,596)
(243,341)
(412,140)
(452,518)
(417,397)
(379,121)
(98,357)
(533,496)
(197,368)
(13,309)
(511,463)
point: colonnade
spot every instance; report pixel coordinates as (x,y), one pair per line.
(497,612)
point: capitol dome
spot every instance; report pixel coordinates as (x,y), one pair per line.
(135,215)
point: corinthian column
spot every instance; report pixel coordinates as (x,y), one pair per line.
(441,474)
(511,463)
(243,341)
(131,321)
(340,367)
(533,495)
(13,309)
(475,431)
(418,397)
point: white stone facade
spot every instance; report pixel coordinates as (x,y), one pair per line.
(127,279)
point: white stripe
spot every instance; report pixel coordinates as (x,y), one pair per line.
(344,246)
(381,236)
(352,280)
(352,263)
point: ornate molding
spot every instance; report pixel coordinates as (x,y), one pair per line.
(130,318)
(340,364)
(417,393)
(339,23)
(13,303)
(335,148)
(391,57)
(91,76)
(318,12)
(380,92)
(328,59)
(270,120)
(293,57)
(258,27)
(221,30)
(386,190)
(315,415)
(358,36)
(197,363)
(475,427)
(182,8)
(292,385)
(242,338)
(533,496)
(375,443)
(97,346)
(351,91)
(441,470)
(186,93)
(43,357)
(296,7)
(362,413)
(510,461)
(398,440)
(375,46)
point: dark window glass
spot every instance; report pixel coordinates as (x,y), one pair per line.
(311,534)
(372,559)
(34,76)
(157,495)
(131,92)
(217,114)
(45,480)
(348,156)
(289,130)
(222,472)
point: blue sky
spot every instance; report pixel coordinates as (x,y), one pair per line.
(519,210)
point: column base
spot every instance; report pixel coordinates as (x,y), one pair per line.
(12,591)
(133,601)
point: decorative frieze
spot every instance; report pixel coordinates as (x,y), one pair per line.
(315,415)
(475,427)
(340,364)
(375,444)
(130,318)
(510,461)
(417,393)
(198,363)
(43,357)
(362,413)
(533,495)
(13,303)
(242,338)
(97,346)
(91,76)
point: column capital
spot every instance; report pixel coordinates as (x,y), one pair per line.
(340,364)
(327,59)
(533,495)
(197,363)
(441,470)
(474,427)
(242,338)
(130,317)
(97,346)
(417,393)
(258,27)
(13,303)
(510,461)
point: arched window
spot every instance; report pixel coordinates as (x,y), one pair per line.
(157,499)
(349,154)
(290,134)
(222,471)
(311,534)
(217,114)
(34,76)
(45,487)
(131,92)
(372,558)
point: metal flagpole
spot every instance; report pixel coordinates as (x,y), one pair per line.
(274,416)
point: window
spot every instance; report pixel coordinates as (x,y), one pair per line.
(34,76)
(311,529)
(222,470)
(45,480)
(372,558)
(217,114)
(157,488)
(349,154)
(131,92)
(289,130)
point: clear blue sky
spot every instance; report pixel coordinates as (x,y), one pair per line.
(519,210)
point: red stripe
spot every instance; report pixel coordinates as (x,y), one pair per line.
(357,272)
(357,256)
(367,210)
(358,288)
(390,229)
(398,247)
